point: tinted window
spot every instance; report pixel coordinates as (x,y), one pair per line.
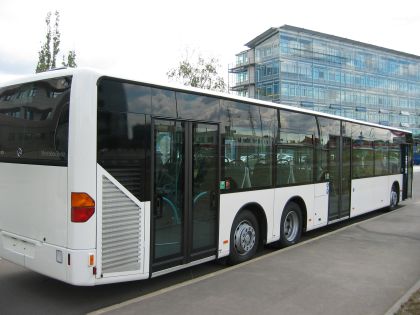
(395,141)
(163,103)
(327,167)
(294,165)
(197,107)
(294,150)
(121,97)
(381,144)
(248,132)
(115,96)
(121,149)
(330,128)
(363,151)
(34,122)
(297,128)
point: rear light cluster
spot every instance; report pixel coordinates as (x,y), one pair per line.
(82,207)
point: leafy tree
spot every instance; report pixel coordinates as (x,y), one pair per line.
(201,73)
(44,55)
(56,40)
(47,56)
(71,60)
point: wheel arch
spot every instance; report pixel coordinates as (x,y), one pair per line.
(261,217)
(396,184)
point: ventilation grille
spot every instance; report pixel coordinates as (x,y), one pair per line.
(131,175)
(121,230)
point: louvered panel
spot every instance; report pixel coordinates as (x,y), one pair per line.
(130,176)
(120,244)
(120,236)
(121,230)
(114,220)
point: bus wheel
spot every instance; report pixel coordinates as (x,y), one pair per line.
(393,198)
(244,237)
(291,225)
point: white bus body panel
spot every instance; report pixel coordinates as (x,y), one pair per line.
(231,203)
(319,215)
(43,258)
(33,202)
(273,201)
(368,194)
(315,197)
(82,154)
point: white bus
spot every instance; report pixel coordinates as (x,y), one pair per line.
(105,179)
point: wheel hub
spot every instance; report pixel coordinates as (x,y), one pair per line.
(394,198)
(244,238)
(291,226)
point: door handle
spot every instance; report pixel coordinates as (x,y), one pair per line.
(158,206)
(213,199)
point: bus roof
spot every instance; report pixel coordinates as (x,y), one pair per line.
(99,73)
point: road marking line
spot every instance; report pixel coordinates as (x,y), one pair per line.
(220,272)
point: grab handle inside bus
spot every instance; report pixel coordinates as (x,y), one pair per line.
(158,206)
(213,197)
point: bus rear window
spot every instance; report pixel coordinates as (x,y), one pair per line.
(34,120)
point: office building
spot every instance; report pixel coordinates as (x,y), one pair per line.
(331,74)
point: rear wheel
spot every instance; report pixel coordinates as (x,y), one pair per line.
(291,225)
(393,203)
(244,237)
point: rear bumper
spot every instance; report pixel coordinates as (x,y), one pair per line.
(50,260)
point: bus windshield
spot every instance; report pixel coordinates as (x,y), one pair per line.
(34,122)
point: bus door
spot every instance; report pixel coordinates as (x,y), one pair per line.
(407,170)
(185,201)
(339,166)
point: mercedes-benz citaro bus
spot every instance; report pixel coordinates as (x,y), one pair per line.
(107,179)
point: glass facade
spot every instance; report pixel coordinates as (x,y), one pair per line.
(333,75)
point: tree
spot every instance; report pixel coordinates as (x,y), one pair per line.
(201,73)
(71,60)
(44,55)
(47,56)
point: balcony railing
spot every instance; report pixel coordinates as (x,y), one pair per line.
(241,85)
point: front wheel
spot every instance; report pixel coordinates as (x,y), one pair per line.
(244,237)
(291,225)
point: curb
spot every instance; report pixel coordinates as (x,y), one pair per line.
(395,308)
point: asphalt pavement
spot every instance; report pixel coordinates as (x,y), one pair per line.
(364,268)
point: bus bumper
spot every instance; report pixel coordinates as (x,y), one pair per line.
(52,261)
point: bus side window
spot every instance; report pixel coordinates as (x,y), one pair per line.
(61,133)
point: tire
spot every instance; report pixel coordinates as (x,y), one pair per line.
(290,225)
(393,202)
(244,237)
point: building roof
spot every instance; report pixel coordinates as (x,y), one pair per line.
(262,37)
(273,30)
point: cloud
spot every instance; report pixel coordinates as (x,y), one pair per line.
(7,77)
(12,64)
(147,38)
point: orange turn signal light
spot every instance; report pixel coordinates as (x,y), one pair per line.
(91,260)
(82,207)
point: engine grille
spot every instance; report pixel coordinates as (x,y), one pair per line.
(121,230)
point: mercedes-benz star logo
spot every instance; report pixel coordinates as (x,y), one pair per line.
(19,152)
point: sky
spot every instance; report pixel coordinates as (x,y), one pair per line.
(144,39)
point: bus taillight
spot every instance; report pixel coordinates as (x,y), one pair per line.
(82,207)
